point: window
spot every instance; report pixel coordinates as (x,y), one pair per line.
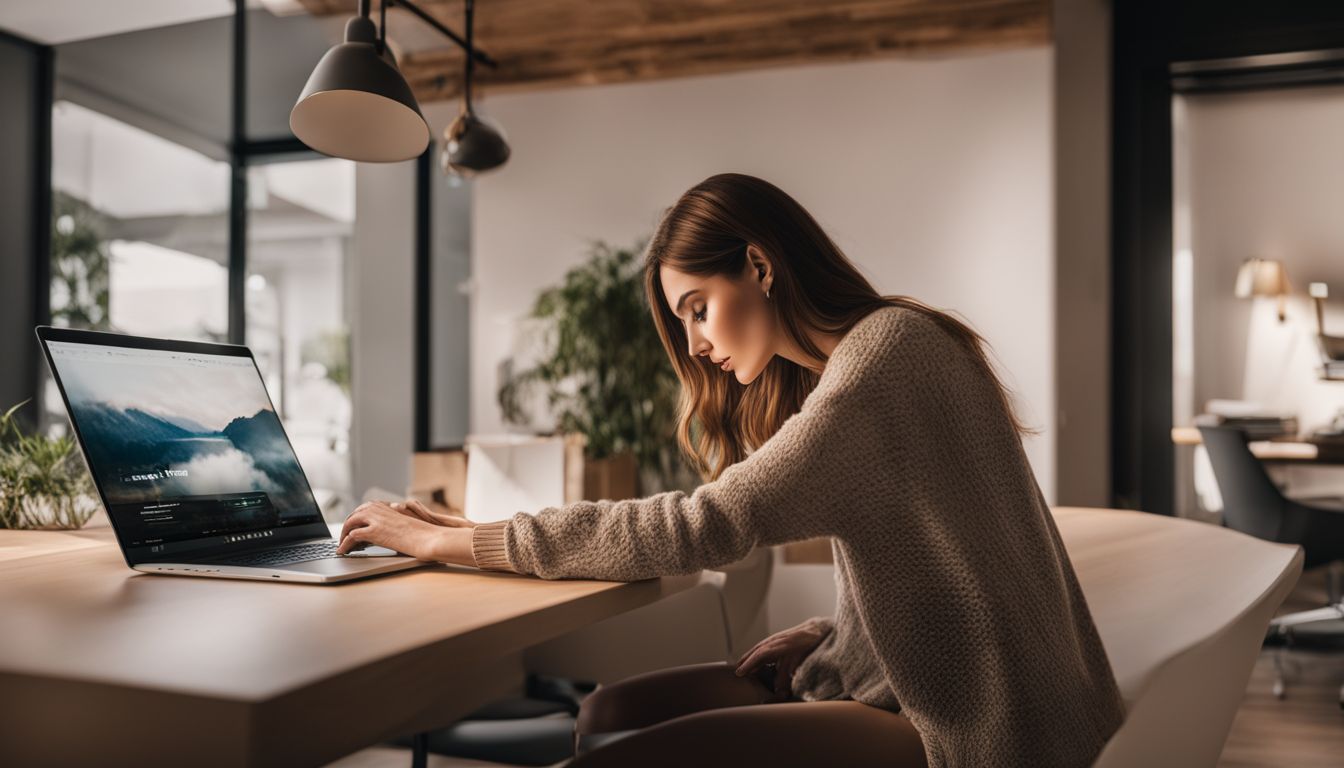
(139,231)
(300,220)
(139,234)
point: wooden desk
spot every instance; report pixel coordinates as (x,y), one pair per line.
(101,665)
(1279,451)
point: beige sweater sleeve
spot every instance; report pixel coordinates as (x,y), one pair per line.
(793,487)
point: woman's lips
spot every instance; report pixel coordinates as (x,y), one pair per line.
(724,364)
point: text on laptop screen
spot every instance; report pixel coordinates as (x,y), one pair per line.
(184,446)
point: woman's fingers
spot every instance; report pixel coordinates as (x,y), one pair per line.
(755,648)
(748,660)
(413,508)
(434,516)
(421,510)
(416,507)
(351,540)
(361,518)
(418,511)
(356,519)
(761,654)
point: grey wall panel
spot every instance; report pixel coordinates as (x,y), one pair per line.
(21,156)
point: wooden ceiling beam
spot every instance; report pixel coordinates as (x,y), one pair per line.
(554,43)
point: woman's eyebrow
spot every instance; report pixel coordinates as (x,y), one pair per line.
(677,311)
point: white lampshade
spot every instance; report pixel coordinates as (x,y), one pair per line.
(1261,277)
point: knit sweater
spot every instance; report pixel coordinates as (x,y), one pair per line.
(956,602)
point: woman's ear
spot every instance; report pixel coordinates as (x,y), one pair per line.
(761,269)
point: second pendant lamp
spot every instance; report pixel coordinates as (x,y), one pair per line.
(472,144)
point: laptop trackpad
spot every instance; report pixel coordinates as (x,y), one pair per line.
(375,552)
(335,566)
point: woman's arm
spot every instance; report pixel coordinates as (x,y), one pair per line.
(792,488)
(795,486)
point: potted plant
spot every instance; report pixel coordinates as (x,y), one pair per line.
(43,481)
(605,376)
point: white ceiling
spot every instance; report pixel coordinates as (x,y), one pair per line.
(62,21)
(175,81)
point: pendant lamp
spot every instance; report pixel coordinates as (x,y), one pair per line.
(472,143)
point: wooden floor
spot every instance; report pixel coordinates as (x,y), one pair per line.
(1306,728)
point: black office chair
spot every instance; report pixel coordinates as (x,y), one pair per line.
(536,729)
(1253,505)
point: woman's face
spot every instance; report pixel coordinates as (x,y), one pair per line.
(726,319)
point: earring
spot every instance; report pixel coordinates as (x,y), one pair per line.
(767,293)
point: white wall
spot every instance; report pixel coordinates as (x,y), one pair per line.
(934,175)
(1259,175)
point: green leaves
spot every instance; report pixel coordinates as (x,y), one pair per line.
(80,266)
(43,482)
(605,373)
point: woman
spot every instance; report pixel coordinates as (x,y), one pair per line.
(822,408)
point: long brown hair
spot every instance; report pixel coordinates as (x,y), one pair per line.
(815,287)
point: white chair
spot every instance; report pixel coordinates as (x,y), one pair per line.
(1182,608)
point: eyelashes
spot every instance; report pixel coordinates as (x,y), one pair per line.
(699,317)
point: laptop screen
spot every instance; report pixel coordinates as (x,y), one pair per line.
(185,447)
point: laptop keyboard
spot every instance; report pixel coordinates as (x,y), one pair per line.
(300,553)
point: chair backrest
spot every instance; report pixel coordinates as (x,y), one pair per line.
(1252,503)
(1181,608)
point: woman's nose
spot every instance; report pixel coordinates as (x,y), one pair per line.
(698,345)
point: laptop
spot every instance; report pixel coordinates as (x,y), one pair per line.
(192,463)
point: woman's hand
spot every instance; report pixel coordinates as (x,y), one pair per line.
(407,528)
(421,511)
(786,650)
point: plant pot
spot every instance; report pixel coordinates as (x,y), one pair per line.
(615,478)
(612,478)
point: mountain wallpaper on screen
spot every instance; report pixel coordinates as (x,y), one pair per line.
(139,456)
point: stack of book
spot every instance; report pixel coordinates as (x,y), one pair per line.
(1332,369)
(1257,422)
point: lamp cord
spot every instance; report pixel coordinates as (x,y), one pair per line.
(382,25)
(466,86)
